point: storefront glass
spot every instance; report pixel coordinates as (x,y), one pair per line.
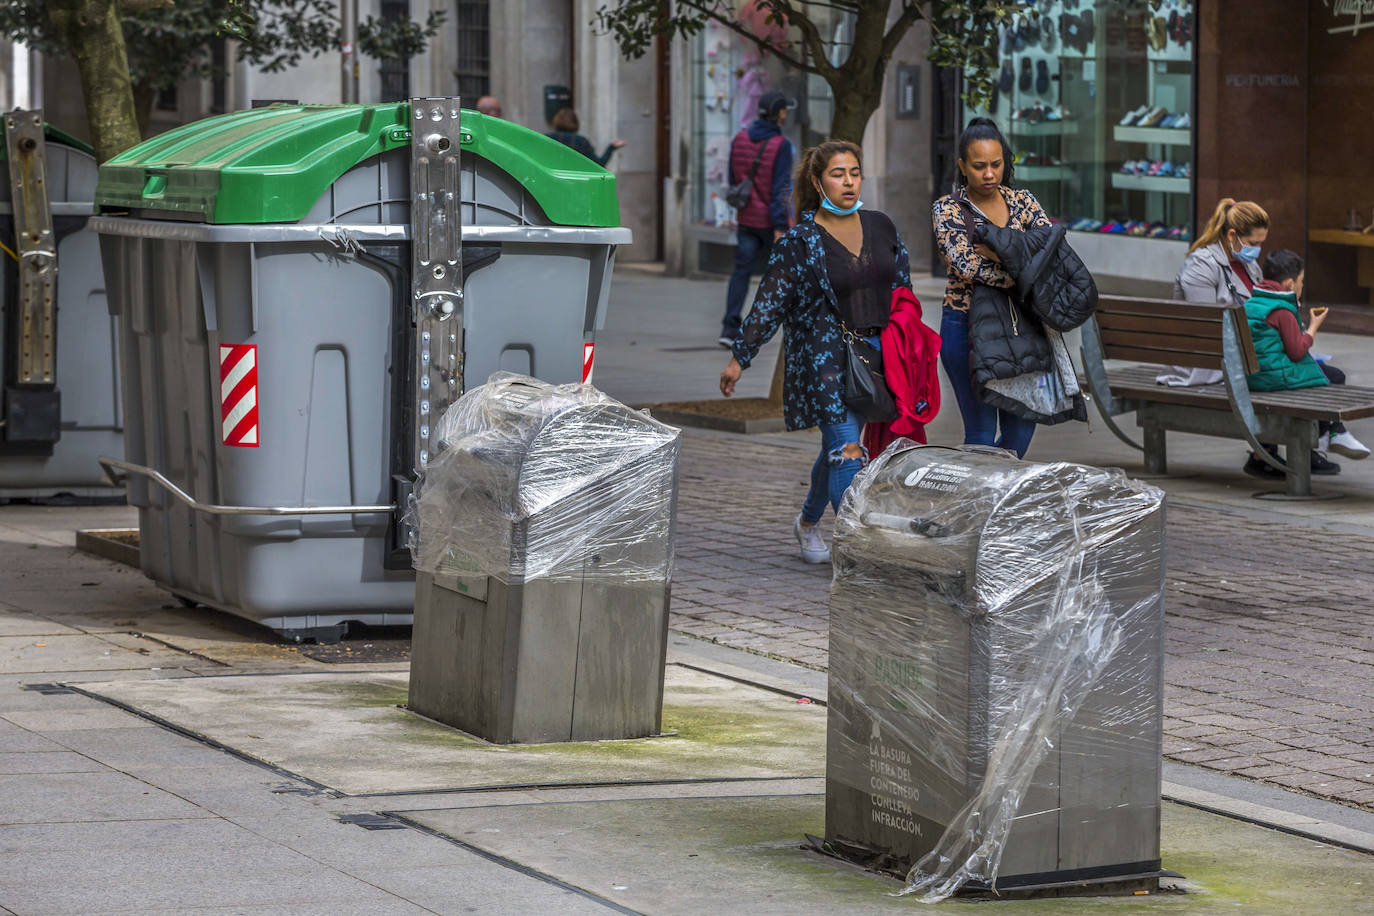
(728,75)
(1096,99)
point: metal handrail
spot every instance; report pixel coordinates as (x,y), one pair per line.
(111,464)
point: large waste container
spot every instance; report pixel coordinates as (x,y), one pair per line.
(544,558)
(996,660)
(260,266)
(52,433)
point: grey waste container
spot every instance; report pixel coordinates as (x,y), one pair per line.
(62,459)
(983,610)
(260,266)
(544,565)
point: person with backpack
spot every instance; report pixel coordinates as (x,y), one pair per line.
(761,192)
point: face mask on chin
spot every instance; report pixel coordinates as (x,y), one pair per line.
(831,208)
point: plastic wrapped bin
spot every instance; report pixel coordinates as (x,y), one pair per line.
(544,559)
(996,661)
(277,239)
(87,368)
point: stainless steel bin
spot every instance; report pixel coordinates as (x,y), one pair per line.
(984,611)
(544,564)
(88,423)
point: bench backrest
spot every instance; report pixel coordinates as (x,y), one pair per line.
(1171,333)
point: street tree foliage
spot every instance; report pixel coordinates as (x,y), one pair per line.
(964,35)
(128,51)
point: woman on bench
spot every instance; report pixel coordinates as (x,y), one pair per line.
(1223,266)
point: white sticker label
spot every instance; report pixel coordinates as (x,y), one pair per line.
(943,477)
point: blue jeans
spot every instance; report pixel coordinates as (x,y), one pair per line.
(832,473)
(749,243)
(981,421)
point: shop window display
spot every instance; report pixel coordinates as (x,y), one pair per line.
(1096,100)
(729,74)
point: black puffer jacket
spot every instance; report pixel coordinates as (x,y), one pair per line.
(1006,338)
(1050,277)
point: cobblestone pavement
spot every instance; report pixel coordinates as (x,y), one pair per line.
(1269,671)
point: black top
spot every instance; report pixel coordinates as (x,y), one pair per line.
(583,146)
(863,284)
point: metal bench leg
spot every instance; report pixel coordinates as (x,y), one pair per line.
(1298,445)
(1156,458)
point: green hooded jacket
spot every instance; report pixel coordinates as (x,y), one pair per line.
(1276,371)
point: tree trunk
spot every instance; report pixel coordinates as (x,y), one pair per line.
(854,105)
(92,31)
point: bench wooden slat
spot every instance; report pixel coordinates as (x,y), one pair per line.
(1166,343)
(1169,357)
(1120,321)
(1324,402)
(1160,308)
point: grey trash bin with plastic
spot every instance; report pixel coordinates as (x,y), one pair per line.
(52,432)
(996,665)
(544,565)
(260,263)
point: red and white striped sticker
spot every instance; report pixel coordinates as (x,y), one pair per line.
(238,394)
(588,356)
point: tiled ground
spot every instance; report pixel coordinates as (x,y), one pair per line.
(1270,656)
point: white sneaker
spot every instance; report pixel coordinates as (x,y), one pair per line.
(1344,443)
(813,549)
(726,342)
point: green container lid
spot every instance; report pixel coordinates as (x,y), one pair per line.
(54,135)
(270,165)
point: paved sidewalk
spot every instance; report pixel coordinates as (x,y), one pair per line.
(104,811)
(1264,679)
(1270,643)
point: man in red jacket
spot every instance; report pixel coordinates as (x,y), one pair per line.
(765,218)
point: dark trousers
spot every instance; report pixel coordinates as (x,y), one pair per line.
(983,423)
(1335,377)
(752,245)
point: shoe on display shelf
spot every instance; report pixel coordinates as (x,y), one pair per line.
(1135,114)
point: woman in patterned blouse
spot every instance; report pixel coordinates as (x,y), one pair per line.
(837,263)
(985,176)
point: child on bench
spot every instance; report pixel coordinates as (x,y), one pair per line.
(1285,360)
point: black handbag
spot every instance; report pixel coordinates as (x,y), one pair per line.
(737,195)
(865,386)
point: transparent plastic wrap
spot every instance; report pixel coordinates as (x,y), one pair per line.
(996,659)
(536,481)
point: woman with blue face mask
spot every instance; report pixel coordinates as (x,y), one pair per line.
(833,272)
(1223,263)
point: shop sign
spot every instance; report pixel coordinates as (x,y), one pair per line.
(1361,11)
(1263,80)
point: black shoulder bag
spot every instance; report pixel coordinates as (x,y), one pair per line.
(738,195)
(865,385)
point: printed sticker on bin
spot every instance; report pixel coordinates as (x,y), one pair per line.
(943,477)
(238,395)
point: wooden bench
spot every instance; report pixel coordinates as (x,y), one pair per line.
(1164,332)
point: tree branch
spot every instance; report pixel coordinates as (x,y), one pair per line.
(911,14)
(138,6)
(733,26)
(810,34)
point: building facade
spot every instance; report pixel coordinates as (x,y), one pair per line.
(1130,119)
